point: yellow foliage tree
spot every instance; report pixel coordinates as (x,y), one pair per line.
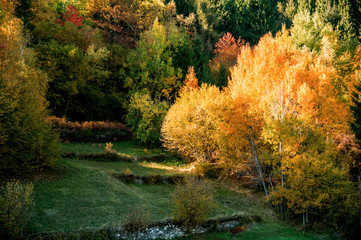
(191,126)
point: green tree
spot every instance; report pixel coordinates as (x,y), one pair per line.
(250,20)
(151,64)
(145,116)
(27,142)
(312,20)
(75,57)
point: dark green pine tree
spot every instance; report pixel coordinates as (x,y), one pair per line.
(251,19)
(261,17)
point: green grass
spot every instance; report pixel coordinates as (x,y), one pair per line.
(264,231)
(129,148)
(85,195)
(136,168)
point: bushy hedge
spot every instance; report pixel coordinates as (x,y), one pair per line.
(90,131)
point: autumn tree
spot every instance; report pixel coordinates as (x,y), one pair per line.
(225,57)
(290,91)
(192,125)
(191,81)
(122,21)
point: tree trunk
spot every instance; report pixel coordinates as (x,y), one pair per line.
(256,159)
(304,219)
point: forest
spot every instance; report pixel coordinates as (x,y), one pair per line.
(265,94)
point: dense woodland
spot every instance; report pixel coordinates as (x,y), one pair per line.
(265,88)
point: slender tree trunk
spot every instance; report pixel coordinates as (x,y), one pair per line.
(304,219)
(256,159)
(270,181)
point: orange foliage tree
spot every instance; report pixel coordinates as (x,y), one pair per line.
(285,103)
(225,56)
(191,81)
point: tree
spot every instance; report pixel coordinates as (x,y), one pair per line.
(192,125)
(145,116)
(122,21)
(74,56)
(191,81)
(225,56)
(27,142)
(312,20)
(250,20)
(288,98)
(152,68)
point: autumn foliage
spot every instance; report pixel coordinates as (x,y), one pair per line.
(226,52)
(281,117)
(94,125)
(191,126)
(191,81)
(72,15)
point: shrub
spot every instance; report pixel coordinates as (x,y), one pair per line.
(146,116)
(16,203)
(136,220)
(192,202)
(109,148)
(89,131)
(99,125)
(127,171)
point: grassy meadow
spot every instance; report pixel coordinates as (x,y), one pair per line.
(84,195)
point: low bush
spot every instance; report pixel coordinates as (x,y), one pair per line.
(136,220)
(62,123)
(192,202)
(16,205)
(89,131)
